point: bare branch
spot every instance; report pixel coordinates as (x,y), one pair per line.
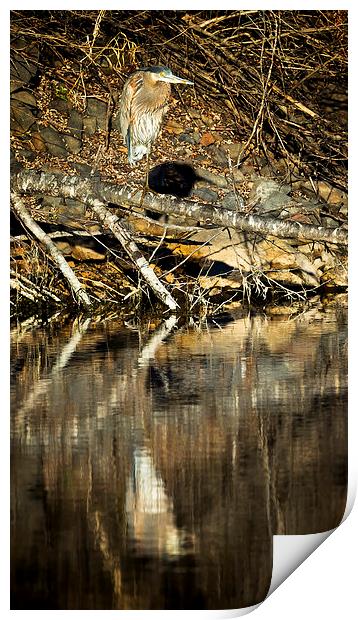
(123,236)
(88,190)
(29,223)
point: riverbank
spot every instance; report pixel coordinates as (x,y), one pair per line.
(228,221)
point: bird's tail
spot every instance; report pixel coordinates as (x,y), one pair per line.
(135,151)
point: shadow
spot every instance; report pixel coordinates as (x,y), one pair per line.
(172,178)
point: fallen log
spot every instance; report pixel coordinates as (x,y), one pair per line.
(88,190)
(30,224)
(122,234)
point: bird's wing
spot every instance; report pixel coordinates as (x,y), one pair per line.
(130,89)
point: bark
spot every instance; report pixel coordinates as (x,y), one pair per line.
(122,234)
(30,224)
(87,190)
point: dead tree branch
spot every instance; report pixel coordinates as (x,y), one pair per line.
(30,224)
(90,190)
(122,234)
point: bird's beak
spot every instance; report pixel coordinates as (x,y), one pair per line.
(173,79)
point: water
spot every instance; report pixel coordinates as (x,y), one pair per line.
(151,467)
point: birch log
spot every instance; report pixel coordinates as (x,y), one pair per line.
(83,189)
(29,223)
(121,233)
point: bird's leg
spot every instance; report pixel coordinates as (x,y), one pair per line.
(146,185)
(147,172)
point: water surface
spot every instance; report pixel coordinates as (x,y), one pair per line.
(151,466)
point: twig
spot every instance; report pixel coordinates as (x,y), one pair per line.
(42,294)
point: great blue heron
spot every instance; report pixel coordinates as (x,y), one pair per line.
(144,103)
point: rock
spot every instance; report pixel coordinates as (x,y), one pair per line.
(74,207)
(284,310)
(96,108)
(115,122)
(233,202)
(60,105)
(13,161)
(216,285)
(307,270)
(234,149)
(269,171)
(80,251)
(218,155)
(38,142)
(172,126)
(296,216)
(268,195)
(249,171)
(207,138)
(63,246)
(75,123)
(29,155)
(337,276)
(238,175)
(23,69)
(187,137)
(318,263)
(263,188)
(52,167)
(274,203)
(89,125)
(314,250)
(326,193)
(205,194)
(239,253)
(73,145)
(21,117)
(196,136)
(85,253)
(25,97)
(85,170)
(210,177)
(330,194)
(54,141)
(329,222)
(328,259)
(50,203)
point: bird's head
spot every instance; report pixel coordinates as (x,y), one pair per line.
(164,74)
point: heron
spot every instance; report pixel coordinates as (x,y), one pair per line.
(144,102)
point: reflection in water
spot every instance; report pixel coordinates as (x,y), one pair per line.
(149,511)
(151,469)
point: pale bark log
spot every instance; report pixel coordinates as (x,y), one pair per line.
(112,221)
(29,223)
(83,189)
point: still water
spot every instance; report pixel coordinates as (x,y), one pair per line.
(151,466)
